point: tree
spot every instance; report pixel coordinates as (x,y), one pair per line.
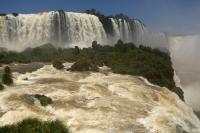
(76,50)
(15,14)
(95,45)
(7,76)
(130,45)
(84,64)
(58,65)
(120,46)
(94,12)
(120,42)
(2,14)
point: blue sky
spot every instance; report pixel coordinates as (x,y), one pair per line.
(172,16)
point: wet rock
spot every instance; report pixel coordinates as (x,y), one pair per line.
(30,98)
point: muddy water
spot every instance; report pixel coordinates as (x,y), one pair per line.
(97,102)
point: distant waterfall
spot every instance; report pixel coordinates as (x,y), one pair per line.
(121,30)
(63,28)
(25,30)
(134,31)
(67,29)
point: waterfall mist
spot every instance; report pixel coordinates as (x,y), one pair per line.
(185,57)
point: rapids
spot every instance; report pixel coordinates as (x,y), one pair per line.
(101,102)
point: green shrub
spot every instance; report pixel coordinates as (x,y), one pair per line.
(1,87)
(7,76)
(2,14)
(58,65)
(197,113)
(44,100)
(84,64)
(35,126)
(120,46)
(57,127)
(96,46)
(15,14)
(76,50)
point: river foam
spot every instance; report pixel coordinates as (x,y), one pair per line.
(101,102)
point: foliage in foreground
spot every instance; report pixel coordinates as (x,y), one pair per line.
(7,76)
(44,100)
(123,58)
(35,126)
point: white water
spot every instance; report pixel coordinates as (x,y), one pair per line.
(185,57)
(64,29)
(97,102)
(84,29)
(67,29)
(25,30)
(137,33)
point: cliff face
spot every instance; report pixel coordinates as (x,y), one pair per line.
(97,102)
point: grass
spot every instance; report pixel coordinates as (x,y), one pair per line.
(35,126)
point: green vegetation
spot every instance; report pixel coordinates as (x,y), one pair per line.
(2,14)
(84,64)
(15,14)
(197,113)
(44,100)
(35,126)
(1,87)
(58,65)
(7,76)
(106,21)
(76,50)
(123,58)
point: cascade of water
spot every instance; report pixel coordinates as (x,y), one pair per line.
(84,28)
(116,33)
(134,31)
(63,28)
(67,29)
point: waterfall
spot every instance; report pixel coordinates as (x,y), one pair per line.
(84,28)
(25,30)
(127,31)
(134,31)
(68,29)
(62,28)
